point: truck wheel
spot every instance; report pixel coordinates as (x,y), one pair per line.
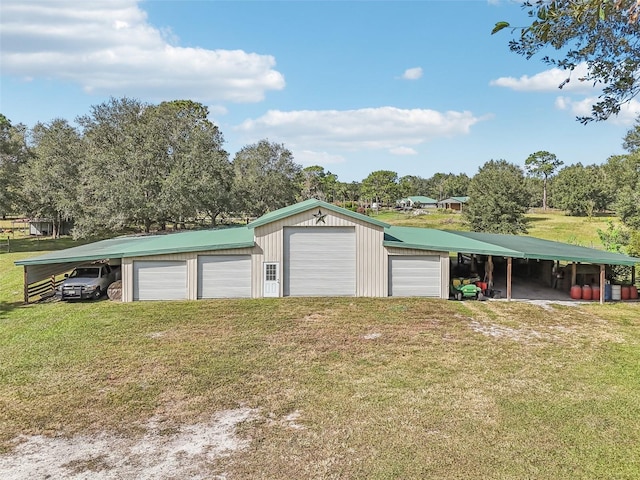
(97,294)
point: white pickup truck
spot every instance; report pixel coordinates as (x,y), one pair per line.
(88,281)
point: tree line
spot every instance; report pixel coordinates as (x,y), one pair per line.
(130,165)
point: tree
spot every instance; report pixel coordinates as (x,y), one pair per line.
(316,183)
(265,177)
(542,164)
(200,175)
(13,153)
(381,186)
(50,176)
(632,138)
(497,199)
(624,172)
(151,164)
(599,33)
(348,191)
(412,185)
(120,182)
(581,190)
(456,185)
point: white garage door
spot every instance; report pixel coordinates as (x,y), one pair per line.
(159,280)
(414,276)
(224,276)
(320,261)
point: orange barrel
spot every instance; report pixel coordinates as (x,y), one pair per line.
(576,292)
(633,292)
(595,293)
(625,292)
(586,292)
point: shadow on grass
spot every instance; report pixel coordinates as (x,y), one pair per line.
(6,307)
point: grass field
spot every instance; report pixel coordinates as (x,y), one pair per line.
(339,388)
(549,225)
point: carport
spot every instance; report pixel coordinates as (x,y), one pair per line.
(498,248)
(530,248)
(43,273)
(314,248)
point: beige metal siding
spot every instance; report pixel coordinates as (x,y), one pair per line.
(371,271)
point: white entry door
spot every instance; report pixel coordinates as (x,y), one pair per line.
(271,279)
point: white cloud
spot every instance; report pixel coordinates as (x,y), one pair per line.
(412,73)
(368,128)
(548,81)
(582,108)
(310,157)
(402,151)
(107,46)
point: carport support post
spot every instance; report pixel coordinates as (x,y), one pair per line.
(509,268)
(25,286)
(602,269)
(573,274)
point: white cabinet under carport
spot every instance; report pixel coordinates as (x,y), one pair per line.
(414,276)
(224,276)
(159,280)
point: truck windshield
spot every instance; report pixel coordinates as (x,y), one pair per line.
(85,273)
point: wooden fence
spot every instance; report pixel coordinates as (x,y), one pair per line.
(42,289)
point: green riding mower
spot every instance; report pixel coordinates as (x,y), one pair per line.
(461,288)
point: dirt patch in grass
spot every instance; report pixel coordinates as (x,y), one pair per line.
(162,452)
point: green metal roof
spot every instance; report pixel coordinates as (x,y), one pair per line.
(537,248)
(124,247)
(514,246)
(441,241)
(401,237)
(455,199)
(309,205)
(423,200)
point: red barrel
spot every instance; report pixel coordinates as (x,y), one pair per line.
(576,292)
(633,292)
(595,293)
(625,292)
(586,292)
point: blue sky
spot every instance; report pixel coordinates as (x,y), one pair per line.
(417,87)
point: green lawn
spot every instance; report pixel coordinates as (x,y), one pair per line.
(382,388)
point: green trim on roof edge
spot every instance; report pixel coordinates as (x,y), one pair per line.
(308,205)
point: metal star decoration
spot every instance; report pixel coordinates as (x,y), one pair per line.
(319,216)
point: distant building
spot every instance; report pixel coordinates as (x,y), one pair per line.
(453,203)
(418,201)
(43,227)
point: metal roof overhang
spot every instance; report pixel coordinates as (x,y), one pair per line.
(125,247)
(513,246)
(539,249)
(442,241)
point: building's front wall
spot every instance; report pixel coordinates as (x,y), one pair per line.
(371,257)
(371,269)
